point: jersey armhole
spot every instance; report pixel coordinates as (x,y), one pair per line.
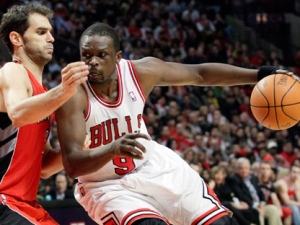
(88,106)
(136,80)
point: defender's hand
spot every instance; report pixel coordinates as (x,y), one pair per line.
(73,75)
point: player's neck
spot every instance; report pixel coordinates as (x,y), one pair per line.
(34,68)
(108,90)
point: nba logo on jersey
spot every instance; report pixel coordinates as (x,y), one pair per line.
(132,96)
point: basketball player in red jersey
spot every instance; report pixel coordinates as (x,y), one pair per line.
(288,189)
(25,110)
(126,178)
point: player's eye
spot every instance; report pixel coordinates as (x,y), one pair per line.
(42,32)
(102,54)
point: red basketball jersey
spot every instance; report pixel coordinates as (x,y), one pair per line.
(21,152)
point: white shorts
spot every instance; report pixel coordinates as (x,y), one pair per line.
(168,189)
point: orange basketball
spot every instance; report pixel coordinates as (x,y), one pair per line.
(275,101)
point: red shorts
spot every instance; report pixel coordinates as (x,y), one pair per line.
(286,212)
(33,212)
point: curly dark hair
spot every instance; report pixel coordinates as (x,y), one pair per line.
(16,19)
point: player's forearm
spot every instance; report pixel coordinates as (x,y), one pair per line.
(52,163)
(37,108)
(218,74)
(83,162)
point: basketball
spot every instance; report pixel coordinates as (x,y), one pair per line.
(275,101)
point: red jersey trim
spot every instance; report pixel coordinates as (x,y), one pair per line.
(213,218)
(136,80)
(103,101)
(88,107)
(135,215)
(213,214)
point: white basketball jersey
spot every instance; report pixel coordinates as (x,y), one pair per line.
(108,121)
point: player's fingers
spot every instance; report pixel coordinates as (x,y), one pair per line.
(87,143)
(284,71)
(74,73)
(138,135)
(77,66)
(296,77)
(139,146)
(135,141)
(77,79)
(132,152)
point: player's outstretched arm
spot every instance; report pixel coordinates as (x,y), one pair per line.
(155,72)
(22,107)
(72,132)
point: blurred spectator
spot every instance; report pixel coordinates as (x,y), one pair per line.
(246,188)
(223,189)
(202,160)
(190,13)
(288,189)
(266,178)
(199,143)
(272,147)
(191,57)
(288,152)
(182,137)
(189,156)
(258,58)
(60,190)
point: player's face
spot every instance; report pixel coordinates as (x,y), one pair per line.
(38,40)
(99,53)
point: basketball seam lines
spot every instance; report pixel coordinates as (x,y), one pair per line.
(282,109)
(274,88)
(267,103)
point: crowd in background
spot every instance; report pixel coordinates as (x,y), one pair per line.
(209,127)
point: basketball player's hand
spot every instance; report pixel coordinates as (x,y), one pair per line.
(269,70)
(128,145)
(289,73)
(87,142)
(73,75)
(229,212)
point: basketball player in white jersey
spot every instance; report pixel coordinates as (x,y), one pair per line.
(126,178)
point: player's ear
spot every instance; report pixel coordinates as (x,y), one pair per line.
(118,56)
(16,39)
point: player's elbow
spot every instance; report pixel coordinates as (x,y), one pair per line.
(45,175)
(16,122)
(72,173)
(71,169)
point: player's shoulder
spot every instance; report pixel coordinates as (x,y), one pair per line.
(147,65)
(11,69)
(146,61)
